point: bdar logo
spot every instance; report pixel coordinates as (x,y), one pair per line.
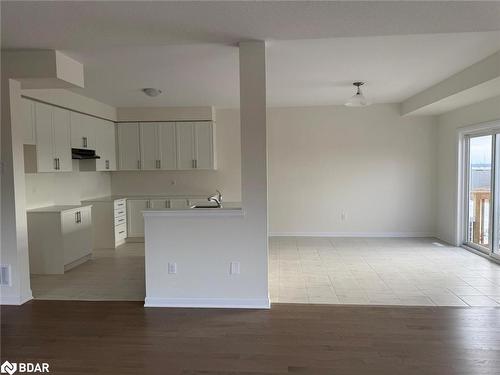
(8,368)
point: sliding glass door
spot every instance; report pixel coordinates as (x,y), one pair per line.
(482,192)
(480,180)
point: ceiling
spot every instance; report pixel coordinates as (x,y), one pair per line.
(315,49)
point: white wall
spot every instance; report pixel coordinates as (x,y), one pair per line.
(447,160)
(370,163)
(45,189)
(226,178)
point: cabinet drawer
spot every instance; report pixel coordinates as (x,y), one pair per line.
(120,232)
(121,220)
(120,212)
(120,204)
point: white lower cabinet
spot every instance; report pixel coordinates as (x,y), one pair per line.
(158,203)
(110,222)
(134,216)
(59,238)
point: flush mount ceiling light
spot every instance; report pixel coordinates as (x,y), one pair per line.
(358,100)
(150,91)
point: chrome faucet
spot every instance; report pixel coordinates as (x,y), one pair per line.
(216,198)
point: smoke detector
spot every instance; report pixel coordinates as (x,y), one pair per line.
(150,91)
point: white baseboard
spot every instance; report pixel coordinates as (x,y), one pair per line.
(352,234)
(15,300)
(218,303)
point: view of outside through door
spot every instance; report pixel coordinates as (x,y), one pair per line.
(480,167)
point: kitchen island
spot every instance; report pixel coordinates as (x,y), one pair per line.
(203,257)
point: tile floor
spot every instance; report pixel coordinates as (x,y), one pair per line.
(369,271)
(110,275)
(380,271)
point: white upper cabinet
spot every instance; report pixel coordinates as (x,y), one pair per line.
(195,145)
(28,121)
(83,132)
(129,156)
(203,139)
(45,160)
(185,145)
(150,158)
(53,147)
(167,146)
(105,145)
(158,145)
(62,139)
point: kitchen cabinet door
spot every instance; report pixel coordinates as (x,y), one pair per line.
(129,156)
(76,228)
(203,145)
(105,146)
(45,159)
(167,137)
(28,121)
(135,219)
(185,145)
(62,139)
(149,146)
(109,136)
(83,131)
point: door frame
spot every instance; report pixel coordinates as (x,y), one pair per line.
(464,134)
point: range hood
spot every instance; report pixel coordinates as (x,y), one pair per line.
(81,153)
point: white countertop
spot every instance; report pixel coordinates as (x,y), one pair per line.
(111,198)
(59,208)
(227,209)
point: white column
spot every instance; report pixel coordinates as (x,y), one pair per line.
(254,147)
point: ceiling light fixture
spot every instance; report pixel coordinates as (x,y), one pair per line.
(150,91)
(358,100)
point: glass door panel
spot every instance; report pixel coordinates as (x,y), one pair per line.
(479,191)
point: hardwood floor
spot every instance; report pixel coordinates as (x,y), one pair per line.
(125,338)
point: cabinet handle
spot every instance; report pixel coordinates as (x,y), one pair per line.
(84,141)
(78,217)
(121,232)
(55,163)
(58,167)
(107,164)
(138,164)
(193,163)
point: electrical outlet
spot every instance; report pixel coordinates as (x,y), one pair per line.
(234,268)
(172,268)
